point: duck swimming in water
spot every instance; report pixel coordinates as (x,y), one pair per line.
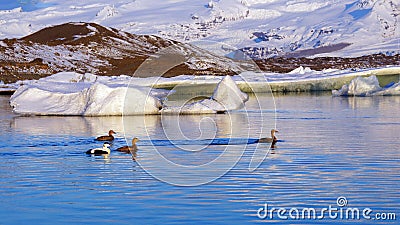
(272,139)
(110,136)
(100,151)
(129,149)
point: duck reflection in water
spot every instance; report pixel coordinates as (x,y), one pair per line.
(272,149)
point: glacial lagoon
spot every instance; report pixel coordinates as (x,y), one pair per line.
(330,147)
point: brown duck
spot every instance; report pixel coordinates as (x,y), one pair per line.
(272,139)
(109,137)
(129,149)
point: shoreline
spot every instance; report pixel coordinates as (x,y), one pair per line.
(295,81)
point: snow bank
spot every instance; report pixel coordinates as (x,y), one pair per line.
(71,77)
(83,95)
(305,80)
(367,86)
(299,80)
(227,96)
(6,88)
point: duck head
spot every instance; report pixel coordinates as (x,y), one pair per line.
(134,140)
(111,132)
(106,145)
(273,131)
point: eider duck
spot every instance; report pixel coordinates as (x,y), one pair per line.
(110,136)
(272,139)
(129,149)
(100,151)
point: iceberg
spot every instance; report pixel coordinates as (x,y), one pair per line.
(299,80)
(79,96)
(74,94)
(367,86)
(301,70)
(392,90)
(227,96)
(206,106)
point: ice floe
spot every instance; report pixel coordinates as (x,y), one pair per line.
(85,95)
(227,96)
(367,86)
(70,93)
(91,95)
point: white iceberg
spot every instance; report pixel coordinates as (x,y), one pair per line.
(76,94)
(301,70)
(206,106)
(83,97)
(367,86)
(392,90)
(227,96)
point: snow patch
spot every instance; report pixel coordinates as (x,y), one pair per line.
(106,12)
(304,6)
(3,44)
(94,29)
(70,77)
(230,10)
(264,14)
(16,10)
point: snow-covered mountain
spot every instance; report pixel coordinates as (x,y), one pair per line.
(262,28)
(92,48)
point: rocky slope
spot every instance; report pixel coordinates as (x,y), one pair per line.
(91,48)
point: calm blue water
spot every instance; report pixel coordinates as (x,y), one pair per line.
(330,147)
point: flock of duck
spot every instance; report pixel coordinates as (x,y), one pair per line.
(105,150)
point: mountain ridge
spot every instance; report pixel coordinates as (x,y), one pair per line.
(92,48)
(278,27)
